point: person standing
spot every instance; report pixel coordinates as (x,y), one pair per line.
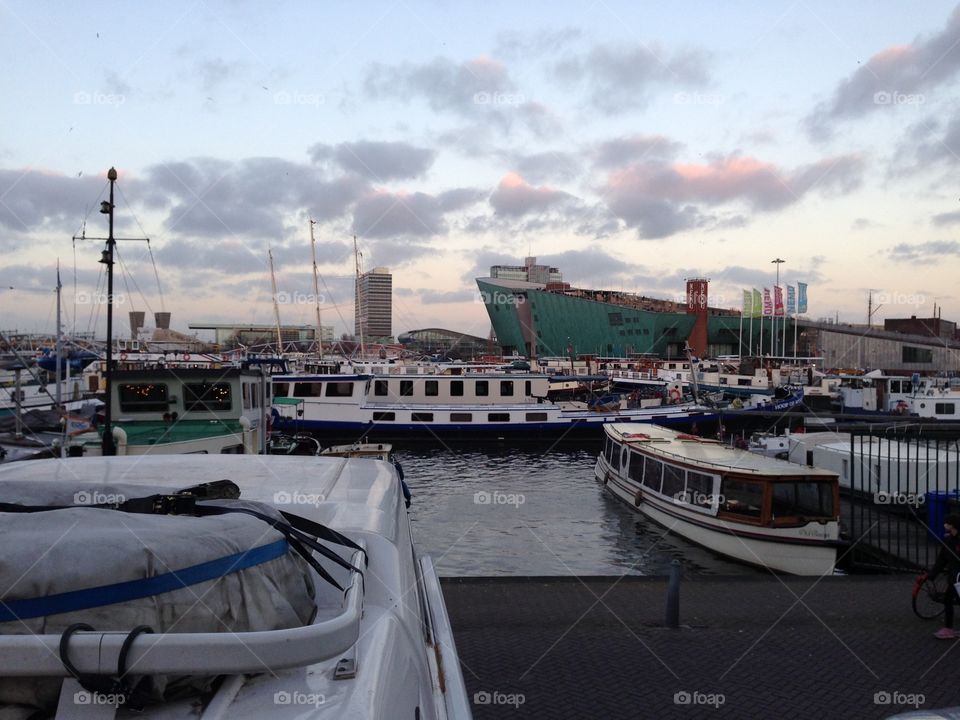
(948,560)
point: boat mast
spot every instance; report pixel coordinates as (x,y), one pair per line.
(59,350)
(359,313)
(276,307)
(316,289)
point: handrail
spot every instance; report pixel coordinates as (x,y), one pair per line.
(218,653)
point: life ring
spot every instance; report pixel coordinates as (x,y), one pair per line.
(186,357)
(675,395)
(123,356)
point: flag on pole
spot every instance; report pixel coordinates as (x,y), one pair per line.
(791,300)
(801,298)
(767,303)
(778,301)
(757,304)
(747,303)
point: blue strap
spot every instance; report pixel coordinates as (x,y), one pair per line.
(136,589)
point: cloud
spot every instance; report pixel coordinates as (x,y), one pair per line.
(515,197)
(442,83)
(33,199)
(437,297)
(385,214)
(926,144)
(214,72)
(942,219)
(662,199)
(894,76)
(378,161)
(925,253)
(633,148)
(549,165)
(208,197)
(862,223)
(517,45)
(621,77)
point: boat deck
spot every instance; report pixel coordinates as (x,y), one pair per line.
(800,648)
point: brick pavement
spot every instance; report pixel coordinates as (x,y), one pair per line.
(747,639)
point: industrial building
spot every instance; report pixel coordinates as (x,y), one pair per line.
(536,319)
(373,305)
(447,343)
(229,336)
(530,271)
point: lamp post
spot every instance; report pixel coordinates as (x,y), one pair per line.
(778,262)
(108,447)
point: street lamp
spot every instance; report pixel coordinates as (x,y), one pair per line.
(108,447)
(773,317)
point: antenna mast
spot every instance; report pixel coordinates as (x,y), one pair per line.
(276,307)
(316,288)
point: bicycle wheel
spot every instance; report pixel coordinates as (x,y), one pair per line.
(928,602)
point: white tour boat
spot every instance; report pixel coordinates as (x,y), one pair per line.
(755,509)
(152,587)
(464,403)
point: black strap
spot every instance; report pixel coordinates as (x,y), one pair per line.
(134,696)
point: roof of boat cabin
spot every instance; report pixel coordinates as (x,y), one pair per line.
(875,447)
(714,456)
(349,495)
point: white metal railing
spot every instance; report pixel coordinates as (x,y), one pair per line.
(97,653)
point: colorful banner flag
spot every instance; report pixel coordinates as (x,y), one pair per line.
(801,298)
(747,303)
(757,304)
(778,301)
(767,303)
(791,300)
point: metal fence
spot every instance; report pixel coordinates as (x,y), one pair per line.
(898,486)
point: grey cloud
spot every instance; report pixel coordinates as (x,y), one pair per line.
(942,219)
(213,72)
(890,77)
(391,215)
(518,45)
(862,223)
(550,165)
(621,77)
(436,297)
(629,149)
(226,256)
(377,161)
(925,253)
(35,199)
(514,197)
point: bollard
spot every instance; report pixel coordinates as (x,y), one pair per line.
(673,596)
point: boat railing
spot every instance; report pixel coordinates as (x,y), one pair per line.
(687,458)
(227,653)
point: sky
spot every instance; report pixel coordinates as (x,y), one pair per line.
(632,145)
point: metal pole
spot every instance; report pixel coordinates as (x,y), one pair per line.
(108,447)
(673,596)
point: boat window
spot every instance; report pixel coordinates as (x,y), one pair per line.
(506,388)
(384,417)
(624,459)
(895,386)
(802,499)
(482,388)
(536,417)
(742,497)
(406,388)
(652,472)
(944,408)
(232,450)
(307,389)
(245,392)
(143,397)
(498,417)
(699,489)
(421,417)
(636,467)
(461,417)
(614,457)
(673,481)
(339,389)
(431,388)
(528,388)
(206,397)
(281,389)
(456,388)
(380,388)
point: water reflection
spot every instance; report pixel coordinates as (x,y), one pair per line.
(534,510)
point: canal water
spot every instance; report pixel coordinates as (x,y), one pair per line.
(534,509)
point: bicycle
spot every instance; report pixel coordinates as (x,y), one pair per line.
(929,596)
